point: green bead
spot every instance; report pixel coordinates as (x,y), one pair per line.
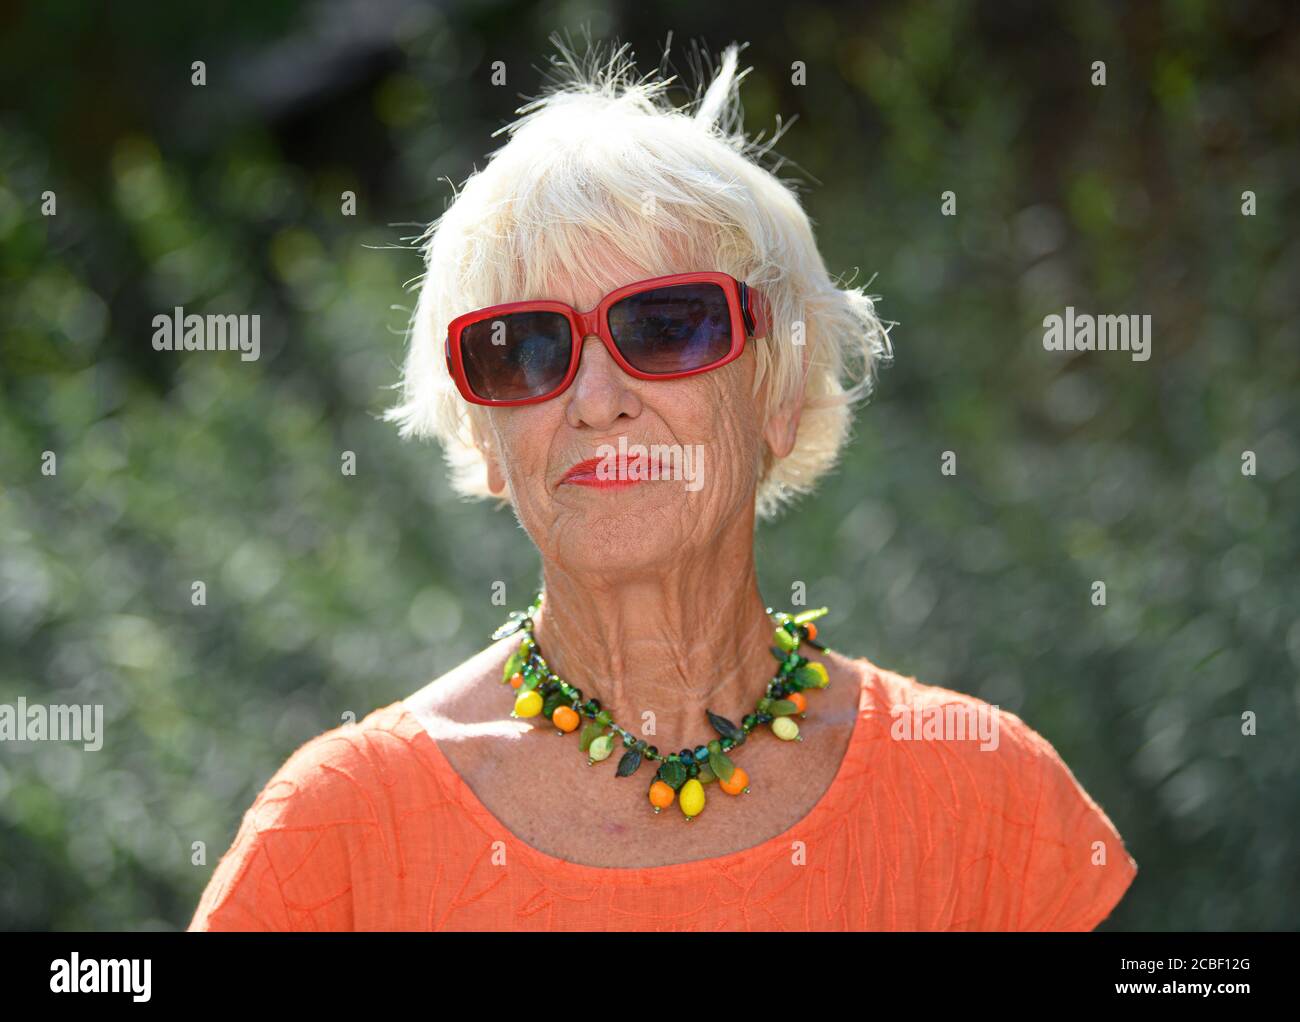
(714,746)
(720,766)
(784,640)
(673,774)
(600,748)
(589,734)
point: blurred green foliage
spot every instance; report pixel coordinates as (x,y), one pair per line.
(328,594)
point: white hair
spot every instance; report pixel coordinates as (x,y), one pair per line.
(605,157)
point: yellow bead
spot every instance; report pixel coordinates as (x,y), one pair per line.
(691,797)
(785,729)
(528,704)
(823,679)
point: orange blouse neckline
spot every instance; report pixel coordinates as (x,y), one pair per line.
(474,804)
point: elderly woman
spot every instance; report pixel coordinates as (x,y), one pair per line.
(627,334)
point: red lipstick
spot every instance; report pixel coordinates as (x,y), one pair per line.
(584,473)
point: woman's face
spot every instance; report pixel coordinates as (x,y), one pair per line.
(711,434)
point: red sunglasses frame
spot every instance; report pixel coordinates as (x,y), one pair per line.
(750,317)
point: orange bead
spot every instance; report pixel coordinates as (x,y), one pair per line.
(516,680)
(738,783)
(565,718)
(812,630)
(801,704)
(661,795)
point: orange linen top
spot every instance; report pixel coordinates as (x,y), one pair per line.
(368,827)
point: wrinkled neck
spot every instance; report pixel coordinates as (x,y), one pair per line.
(658,651)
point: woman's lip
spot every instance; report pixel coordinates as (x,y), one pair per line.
(599,484)
(582,468)
(584,474)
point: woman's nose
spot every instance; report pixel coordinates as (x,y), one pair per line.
(601,392)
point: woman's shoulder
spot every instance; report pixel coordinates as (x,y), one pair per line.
(339,765)
(909,710)
(288,867)
(461,697)
(930,722)
(957,756)
(336,765)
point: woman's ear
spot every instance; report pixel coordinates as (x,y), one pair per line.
(496,480)
(782,427)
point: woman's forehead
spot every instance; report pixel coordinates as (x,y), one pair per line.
(584,285)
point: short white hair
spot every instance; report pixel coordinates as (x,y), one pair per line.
(604,157)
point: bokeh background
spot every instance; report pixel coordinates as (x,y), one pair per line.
(329,594)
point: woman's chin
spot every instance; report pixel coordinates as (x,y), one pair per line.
(622,539)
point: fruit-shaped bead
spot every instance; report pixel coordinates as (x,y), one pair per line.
(785,729)
(528,704)
(691,798)
(661,795)
(812,630)
(739,782)
(785,640)
(565,718)
(823,679)
(600,748)
(516,680)
(800,701)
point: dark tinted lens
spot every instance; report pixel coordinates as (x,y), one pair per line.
(518,355)
(673,329)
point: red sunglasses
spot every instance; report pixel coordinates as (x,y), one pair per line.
(664,328)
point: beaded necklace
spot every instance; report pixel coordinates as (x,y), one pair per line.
(681,775)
